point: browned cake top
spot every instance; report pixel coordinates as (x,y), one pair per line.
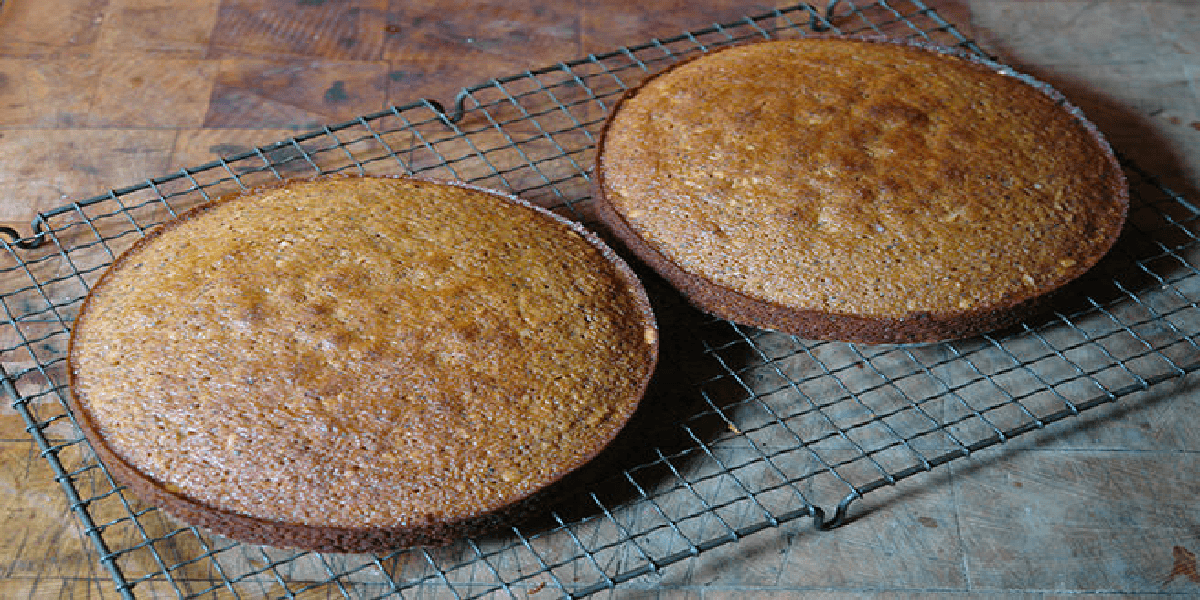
(865,178)
(362,352)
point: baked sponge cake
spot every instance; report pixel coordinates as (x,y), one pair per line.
(358,364)
(858,190)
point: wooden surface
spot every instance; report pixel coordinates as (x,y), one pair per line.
(99,94)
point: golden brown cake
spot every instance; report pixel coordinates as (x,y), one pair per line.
(858,190)
(357,364)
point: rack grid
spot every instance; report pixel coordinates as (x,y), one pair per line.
(743,429)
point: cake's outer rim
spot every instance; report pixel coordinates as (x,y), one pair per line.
(914,328)
(256,530)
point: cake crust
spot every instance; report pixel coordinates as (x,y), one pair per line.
(859,190)
(357,364)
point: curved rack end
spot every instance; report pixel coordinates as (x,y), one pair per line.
(839,514)
(450,116)
(25,243)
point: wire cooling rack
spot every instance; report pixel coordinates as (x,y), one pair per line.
(743,430)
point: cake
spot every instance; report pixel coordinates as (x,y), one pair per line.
(358,364)
(858,190)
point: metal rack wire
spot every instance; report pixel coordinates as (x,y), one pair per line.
(743,430)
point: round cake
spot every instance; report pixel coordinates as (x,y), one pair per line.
(358,364)
(858,190)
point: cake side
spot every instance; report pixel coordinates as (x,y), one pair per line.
(351,363)
(857,189)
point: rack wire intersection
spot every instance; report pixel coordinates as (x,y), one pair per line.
(743,429)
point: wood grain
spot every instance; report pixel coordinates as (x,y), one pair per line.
(100,94)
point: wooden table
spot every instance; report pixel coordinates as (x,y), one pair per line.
(99,94)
